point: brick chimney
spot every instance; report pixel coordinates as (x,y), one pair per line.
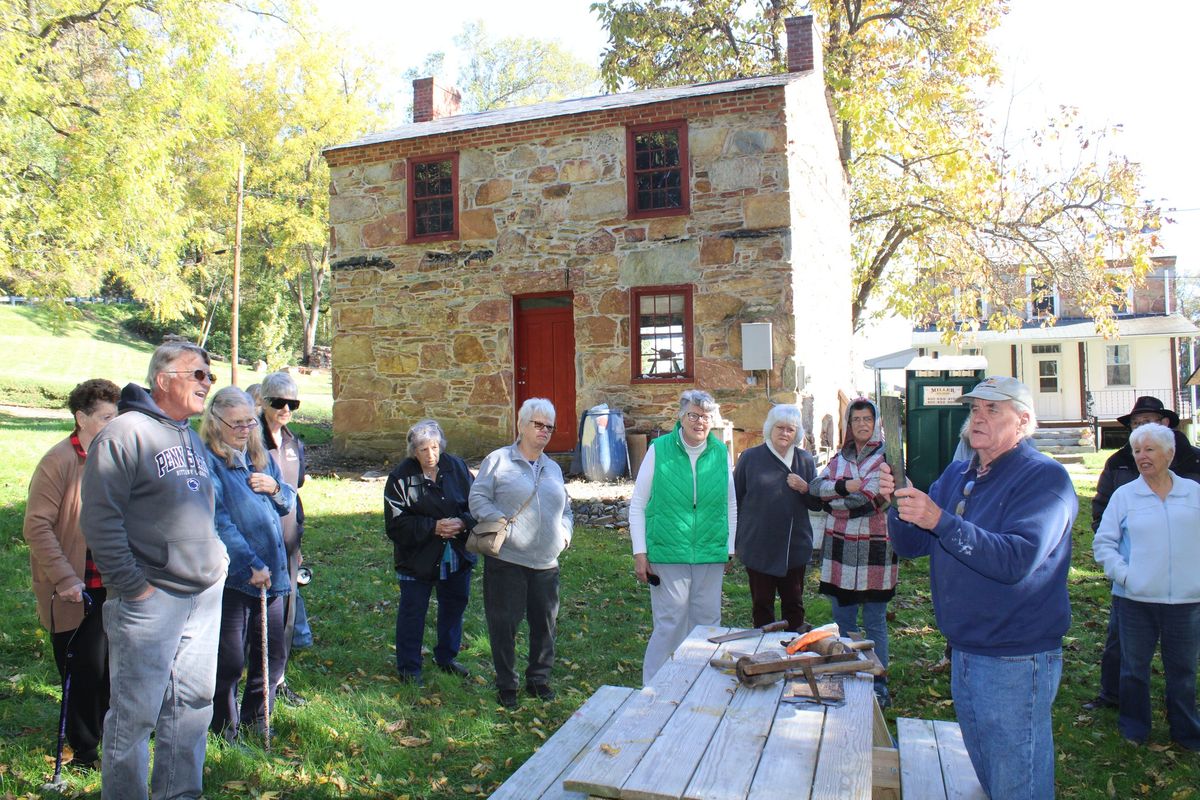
(432,100)
(803,48)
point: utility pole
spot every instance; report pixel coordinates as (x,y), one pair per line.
(237,272)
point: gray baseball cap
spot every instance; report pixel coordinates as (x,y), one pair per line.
(1000,388)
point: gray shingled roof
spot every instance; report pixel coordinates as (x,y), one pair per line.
(563,108)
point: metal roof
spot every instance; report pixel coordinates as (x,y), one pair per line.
(562,108)
(909,360)
(1157,325)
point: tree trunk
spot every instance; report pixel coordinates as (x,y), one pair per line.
(310,307)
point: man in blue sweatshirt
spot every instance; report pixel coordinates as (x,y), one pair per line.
(997,530)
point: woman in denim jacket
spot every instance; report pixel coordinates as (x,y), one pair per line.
(250,499)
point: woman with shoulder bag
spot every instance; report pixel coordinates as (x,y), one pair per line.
(521,484)
(426,516)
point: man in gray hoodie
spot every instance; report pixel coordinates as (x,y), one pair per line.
(148,519)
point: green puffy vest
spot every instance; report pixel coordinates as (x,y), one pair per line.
(678,532)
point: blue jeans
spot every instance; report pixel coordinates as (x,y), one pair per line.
(1003,707)
(452,596)
(162,656)
(874,620)
(1178,627)
(1110,659)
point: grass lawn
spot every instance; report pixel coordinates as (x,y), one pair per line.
(363,734)
(46,357)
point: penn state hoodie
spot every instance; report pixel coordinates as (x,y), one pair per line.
(147,510)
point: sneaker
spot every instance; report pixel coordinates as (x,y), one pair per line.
(541,691)
(413,678)
(285,694)
(508,698)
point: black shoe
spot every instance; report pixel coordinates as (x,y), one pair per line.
(452,667)
(413,678)
(541,691)
(85,762)
(285,694)
(508,698)
(1098,702)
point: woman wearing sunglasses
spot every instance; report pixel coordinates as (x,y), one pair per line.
(279,399)
(251,498)
(521,483)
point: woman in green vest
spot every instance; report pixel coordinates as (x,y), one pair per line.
(683,520)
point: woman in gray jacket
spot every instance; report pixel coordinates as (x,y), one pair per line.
(522,581)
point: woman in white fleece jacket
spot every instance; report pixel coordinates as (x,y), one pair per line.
(1149,544)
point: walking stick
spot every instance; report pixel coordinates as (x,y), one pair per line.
(58,783)
(262,600)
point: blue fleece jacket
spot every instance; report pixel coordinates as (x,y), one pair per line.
(999,571)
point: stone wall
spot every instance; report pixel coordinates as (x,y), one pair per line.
(425,329)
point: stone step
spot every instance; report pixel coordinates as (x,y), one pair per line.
(1063,448)
(1067,458)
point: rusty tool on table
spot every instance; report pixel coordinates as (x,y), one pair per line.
(778,625)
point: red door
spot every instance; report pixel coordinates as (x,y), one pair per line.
(544,346)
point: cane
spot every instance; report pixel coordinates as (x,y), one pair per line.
(58,783)
(262,601)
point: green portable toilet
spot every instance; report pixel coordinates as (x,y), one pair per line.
(933,415)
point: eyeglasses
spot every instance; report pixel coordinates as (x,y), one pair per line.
(248,425)
(694,417)
(968,487)
(278,403)
(198,374)
(541,426)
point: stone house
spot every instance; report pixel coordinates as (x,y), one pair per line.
(604,249)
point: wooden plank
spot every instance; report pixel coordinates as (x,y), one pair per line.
(727,770)
(844,766)
(789,758)
(880,735)
(885,769)
(545,767)
(606,765)
(920,765)
(666,767)
(957,770)
(556,790)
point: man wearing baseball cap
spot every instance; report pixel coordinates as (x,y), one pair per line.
(1119,470)
(997,530)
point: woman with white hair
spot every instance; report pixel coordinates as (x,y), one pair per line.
(250,498)
(426,516)
(774,536)
(1148,545)
(524,485)
(683,521)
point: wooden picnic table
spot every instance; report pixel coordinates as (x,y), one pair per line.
(695,732)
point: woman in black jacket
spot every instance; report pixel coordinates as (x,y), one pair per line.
(774,537)
(426,516)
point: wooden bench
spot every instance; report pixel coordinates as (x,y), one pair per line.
(934,764)
(540,778)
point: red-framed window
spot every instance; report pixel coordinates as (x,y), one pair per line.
(662,340)
(656,158)
(433,198)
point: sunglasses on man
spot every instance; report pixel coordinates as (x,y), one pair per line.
(278,403)
(199,374)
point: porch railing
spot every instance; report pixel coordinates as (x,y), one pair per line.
(1106,404)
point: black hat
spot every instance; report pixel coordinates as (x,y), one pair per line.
(1150,405)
